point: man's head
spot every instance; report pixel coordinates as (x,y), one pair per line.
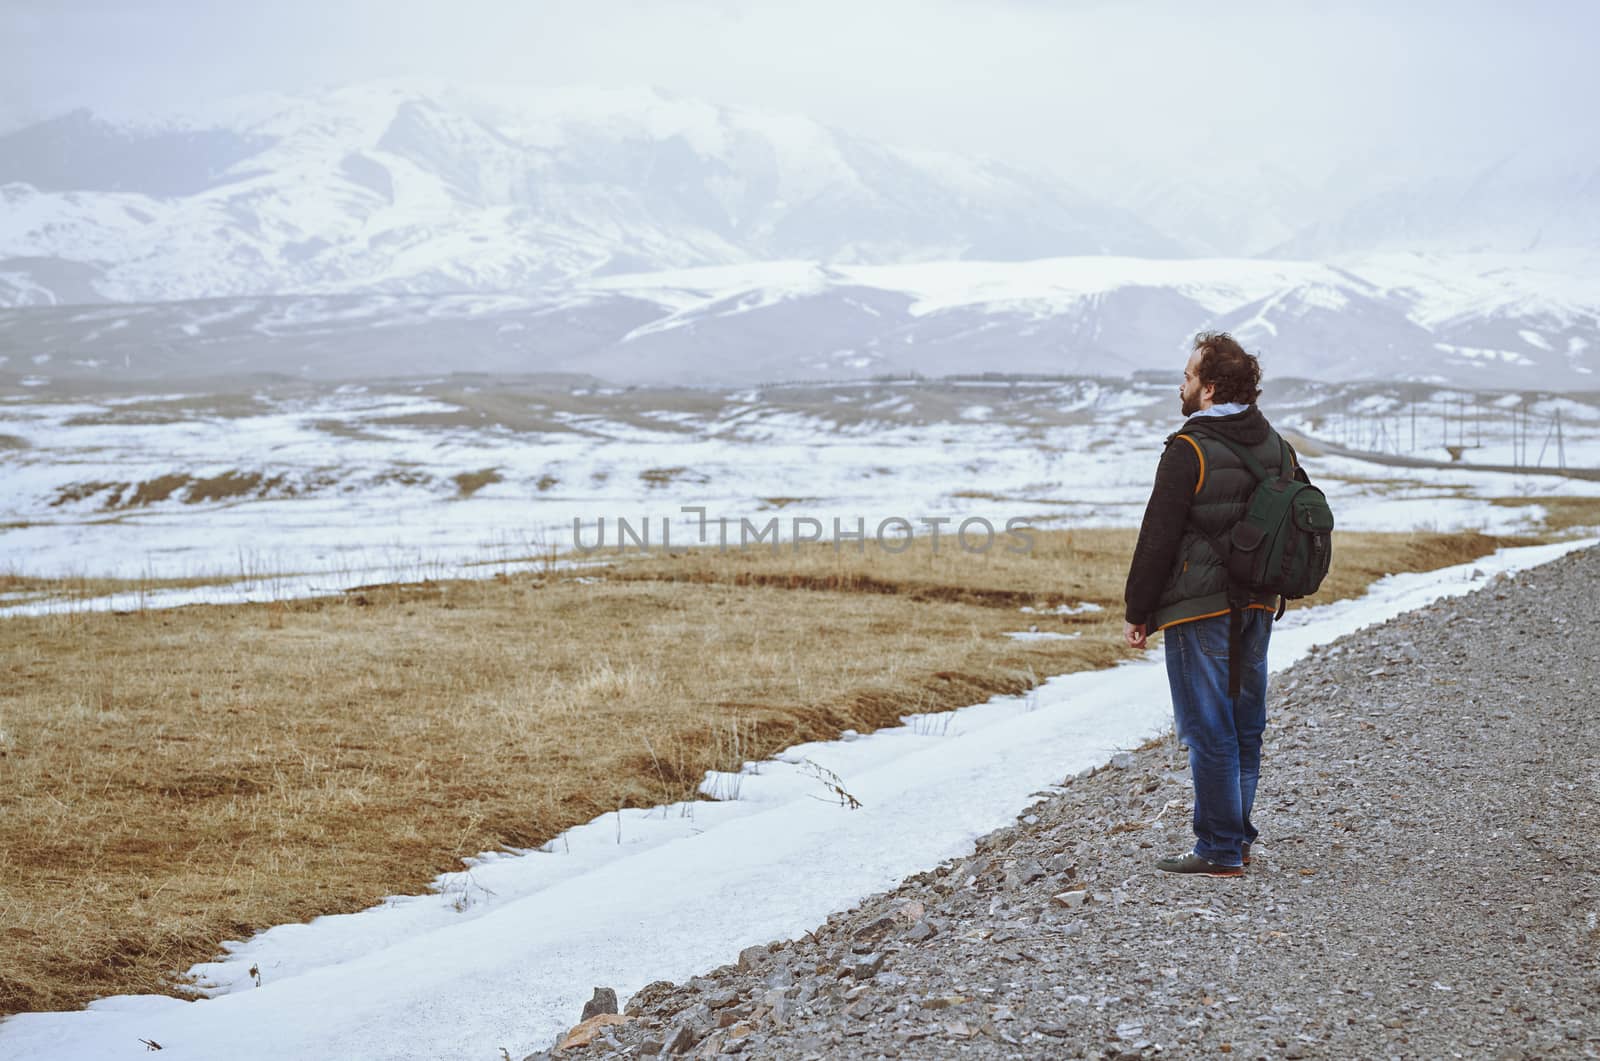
(1219,371)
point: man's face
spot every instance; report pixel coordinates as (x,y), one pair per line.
(1194,396)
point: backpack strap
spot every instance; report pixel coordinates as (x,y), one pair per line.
(1235,638)
(1219,546)
(1246,457)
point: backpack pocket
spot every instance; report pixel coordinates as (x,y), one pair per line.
(1246,537)
(1311,512)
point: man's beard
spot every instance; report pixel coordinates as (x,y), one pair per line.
(1190,405)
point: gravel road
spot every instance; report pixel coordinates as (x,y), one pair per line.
(1425,884)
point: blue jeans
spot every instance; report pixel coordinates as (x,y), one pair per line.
(1223,733)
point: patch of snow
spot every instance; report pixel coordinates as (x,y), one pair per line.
(1080,608)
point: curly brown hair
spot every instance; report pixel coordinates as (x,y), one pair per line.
(1225,365)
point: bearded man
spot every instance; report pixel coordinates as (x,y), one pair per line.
(1177,584)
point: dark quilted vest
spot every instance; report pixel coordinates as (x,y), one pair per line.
(1197,586)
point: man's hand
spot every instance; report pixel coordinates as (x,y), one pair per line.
(1133,634)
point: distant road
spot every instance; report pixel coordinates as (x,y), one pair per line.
(1316,447)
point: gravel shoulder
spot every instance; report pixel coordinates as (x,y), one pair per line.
(1425,884)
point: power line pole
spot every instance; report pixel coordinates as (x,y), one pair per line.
(1526,424)
(1516,440)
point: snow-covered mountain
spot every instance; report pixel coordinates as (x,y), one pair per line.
(1528,200)
(409,228)
(1486,321)
(1537,197)
(406,187)
(1215,208)
(417,186)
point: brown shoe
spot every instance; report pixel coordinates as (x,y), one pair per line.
(1247,854)
(1193,863)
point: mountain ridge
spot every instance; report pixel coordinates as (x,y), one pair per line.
(570,214)
(383,187)
(1485,321)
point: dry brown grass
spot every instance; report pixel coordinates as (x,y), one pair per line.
(1562,513)
(174,410)
(1061,567)
(173,779)
(469,483)
(191,490)
(1362,558)
(20,588)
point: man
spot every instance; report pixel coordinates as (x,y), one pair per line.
(1177,584)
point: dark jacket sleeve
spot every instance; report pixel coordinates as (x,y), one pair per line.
(1164,517)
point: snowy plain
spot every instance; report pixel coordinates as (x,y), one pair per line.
(504,953)
(366,483)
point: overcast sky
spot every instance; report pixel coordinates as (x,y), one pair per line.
(1061,84)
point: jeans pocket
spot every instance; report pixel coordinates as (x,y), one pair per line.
(1257,636)
(1212,636)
